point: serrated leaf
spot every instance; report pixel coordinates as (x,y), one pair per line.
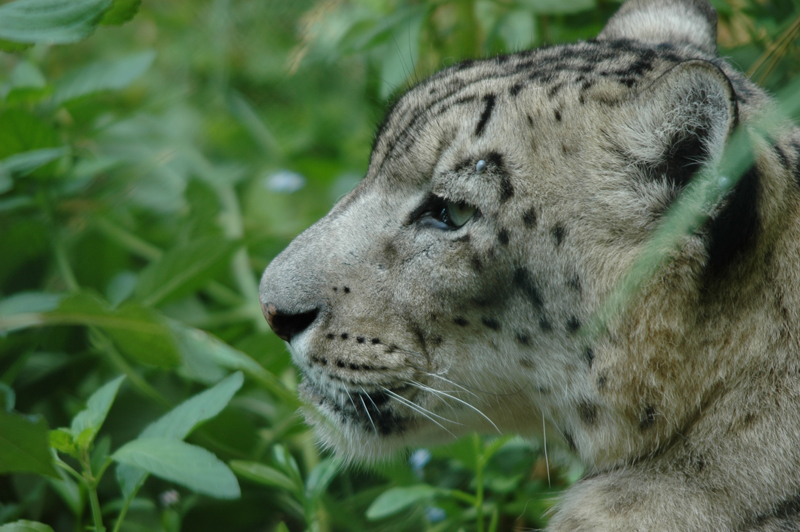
(180,421)
(24,445)
(392,501)
(182,463)
(87,423)
(265,475)
(101,76)
(25,526)
(121,12)
(184,269)
(50,21)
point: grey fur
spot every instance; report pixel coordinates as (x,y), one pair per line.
(687,409)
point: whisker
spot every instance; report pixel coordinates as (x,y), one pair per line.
(361,397)
(465,404)
(419,409)
(436,393)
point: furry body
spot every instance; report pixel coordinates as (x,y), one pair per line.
(410,328)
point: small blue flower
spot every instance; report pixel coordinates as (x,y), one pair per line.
(284,182)
(435,514)
(419,459)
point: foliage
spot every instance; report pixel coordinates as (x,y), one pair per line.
(150,167)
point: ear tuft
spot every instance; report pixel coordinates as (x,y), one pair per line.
(692,22)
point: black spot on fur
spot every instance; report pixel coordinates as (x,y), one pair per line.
(344,336)
(525,282)
(437,340)
(553,91)
(464,238)
(515,88)
(488,101)
(601,381)
(360,339)
(506,188)
(782,517)
(529,218)
(464,164)
(735,230)
(502,236)
(545,325)
(784,160)
(573,324)
(588,355)
(523,338)
(575,283)
(571,442)
(530,121)
(340,363)
(335,289)
(376,340)
(324,361)
(558,115)
(330,336)
(587,412)
(476,263)
(558,231)
(461,322)
(648,418)
(491,323)
(527,363)
(353,367)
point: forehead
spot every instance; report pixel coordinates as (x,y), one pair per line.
(463,99)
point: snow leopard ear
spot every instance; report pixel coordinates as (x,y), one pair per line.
(680,122)
(691,22)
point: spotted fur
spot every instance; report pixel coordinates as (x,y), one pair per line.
(410,329)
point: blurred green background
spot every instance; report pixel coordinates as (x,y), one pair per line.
(153,159)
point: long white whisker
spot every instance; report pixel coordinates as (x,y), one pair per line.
(448,381)
(546,461)
(361,397)
(434,392)
(419,409)
(468,406)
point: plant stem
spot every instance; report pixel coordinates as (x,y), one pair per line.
(91,485)
(125,506)
(479,481)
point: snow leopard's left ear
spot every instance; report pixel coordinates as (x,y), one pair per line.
(680,122)
(677,22)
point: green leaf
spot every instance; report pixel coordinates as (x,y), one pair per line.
(150,342)
(265,475)
(87,423)
(7,397)
(62,440)
(26,162)
(321,476)
(121,12)
(29,302)
(557,7)
(184,269)
(24,445)
(101,76)
(50,21)
(180,421)
(203,355)
(23,131)
(25,526)
(392,501)
(182,463)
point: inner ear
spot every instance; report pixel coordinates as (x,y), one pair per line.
(680,123)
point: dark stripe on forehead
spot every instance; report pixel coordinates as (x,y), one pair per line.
(488,101)
(632,59)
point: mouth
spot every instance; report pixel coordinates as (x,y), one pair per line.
(370,411)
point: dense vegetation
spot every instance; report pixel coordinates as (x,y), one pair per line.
(153,159)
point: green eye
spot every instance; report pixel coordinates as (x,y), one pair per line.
(456,214)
